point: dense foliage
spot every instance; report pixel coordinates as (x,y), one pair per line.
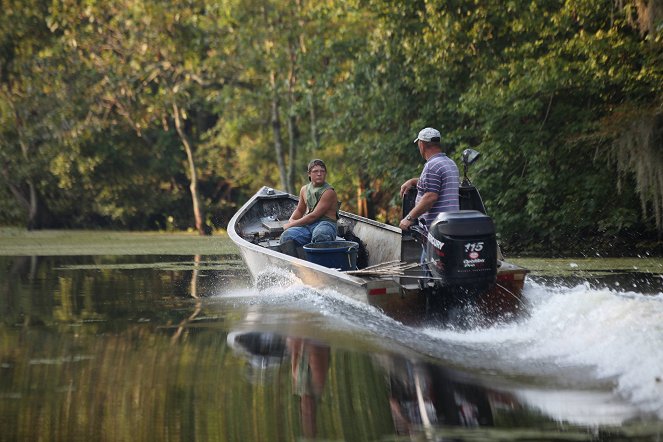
(150,114)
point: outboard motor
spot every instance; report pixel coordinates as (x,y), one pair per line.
(462,246)
(462,249)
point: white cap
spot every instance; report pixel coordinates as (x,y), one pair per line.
(428,134)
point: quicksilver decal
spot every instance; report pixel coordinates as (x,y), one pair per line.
(436,242)
(473,262)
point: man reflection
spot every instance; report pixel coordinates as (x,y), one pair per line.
(310,363)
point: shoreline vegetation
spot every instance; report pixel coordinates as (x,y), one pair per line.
(19,242)
(137,115)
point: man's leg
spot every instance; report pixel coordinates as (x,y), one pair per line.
(323,231)
(292,238)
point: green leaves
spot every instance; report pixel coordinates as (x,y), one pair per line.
(562,99)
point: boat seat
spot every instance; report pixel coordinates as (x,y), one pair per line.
(274,227)
(272,244)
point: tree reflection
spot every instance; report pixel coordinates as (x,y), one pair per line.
(193,290)
(131,352)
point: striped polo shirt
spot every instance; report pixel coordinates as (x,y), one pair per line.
(440,175)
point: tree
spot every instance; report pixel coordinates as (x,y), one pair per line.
(28,110)
(525,82)
(294,55)
(150,60)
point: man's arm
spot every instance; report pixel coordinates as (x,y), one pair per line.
(408,184)
(424,204)
(299,210)
(326,203)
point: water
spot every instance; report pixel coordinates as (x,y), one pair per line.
(186,348)
(588,338)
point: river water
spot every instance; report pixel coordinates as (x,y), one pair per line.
(147,348)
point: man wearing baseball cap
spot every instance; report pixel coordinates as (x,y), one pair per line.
(437,186)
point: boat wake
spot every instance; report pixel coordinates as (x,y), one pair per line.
(582,336)
(599,341)
(279,286)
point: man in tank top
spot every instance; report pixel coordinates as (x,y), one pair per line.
(314,218)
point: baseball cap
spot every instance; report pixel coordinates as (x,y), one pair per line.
(428,134)
(316,162)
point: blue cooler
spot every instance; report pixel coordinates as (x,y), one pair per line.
(333,254)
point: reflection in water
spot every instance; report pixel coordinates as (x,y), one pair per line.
(85,348)
(309,363)
(426,398)
(422,397)
(194,294)
(135,348)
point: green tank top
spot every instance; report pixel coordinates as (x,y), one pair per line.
(313,195)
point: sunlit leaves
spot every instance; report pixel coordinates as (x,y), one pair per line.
(547,90)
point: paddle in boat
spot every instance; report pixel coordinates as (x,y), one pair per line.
(381,265)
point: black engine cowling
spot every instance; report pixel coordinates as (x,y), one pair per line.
(462,249)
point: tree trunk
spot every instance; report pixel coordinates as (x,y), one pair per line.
(362,208)
(30,203)
(314,121)
(33,211)
(365,203)
(198,212)
(293,132)
(278,137)
(362,196)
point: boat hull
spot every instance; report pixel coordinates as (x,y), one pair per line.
(399,295)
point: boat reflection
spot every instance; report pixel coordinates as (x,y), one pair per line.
(421,396)
(424,396)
